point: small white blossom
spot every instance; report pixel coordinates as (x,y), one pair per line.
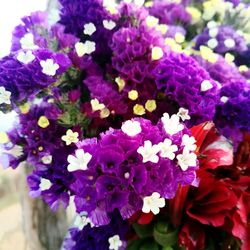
(213,32)
(131,128)
(212,43)
(4,96)
(47,159)
(49,67)
(212,24)
(229,43)
(183,114)
(189,142)
(115,242)
(81,221)
(27,42)
(70,137)
(153,203)
(96,105)
(80,161)
(149,152)
(186,159)
(224,99)
(168,149)
(108,24)
(206,85)
(172,124)
(45,184)
(25,57)
(85,48)
(89,29)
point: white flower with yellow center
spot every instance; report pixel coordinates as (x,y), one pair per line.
(168,149)
(49,67)
(80,161)
(27,42)
(85,48)
(131,128)
(89,29)
(70,137)
(172,124)
(189,142)
(45,184)
(153,203)
(183,114)
(108,24)
(115,242)
(149,152)
(186,159)
(25,57)
(4,96)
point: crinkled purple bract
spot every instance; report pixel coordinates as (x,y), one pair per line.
(180,77)
(224,33)
(169,13)
(117,178)
(24,81)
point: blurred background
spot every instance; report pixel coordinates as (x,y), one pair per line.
(20,228)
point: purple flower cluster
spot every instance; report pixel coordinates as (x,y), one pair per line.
(25,80)
(221,39)
(181,78)
(118,176)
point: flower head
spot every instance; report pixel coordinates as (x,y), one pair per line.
(131,128)
(25,57)
(4,96)
(168,149)
(189,142)
(115,243)
(172,124)
(183,114)
(186,159)
(49,67)
(89,29)
(27,42)
(153,203)
(70,137)
(80,161)
(149,152)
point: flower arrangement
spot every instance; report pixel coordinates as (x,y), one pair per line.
(139,112)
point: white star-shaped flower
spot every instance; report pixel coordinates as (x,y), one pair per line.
(183,114)
(153,203)
(96,105)
(80,161)
(70,137)
(213,32)
(108,24)
(45,184)
(149,152)
(85,48)
(47,159)
(229,43)
(168,149)
(25,57)
(82,221)
(186,159)
(131,128)
(224,99)
(189,142)
(49,67)
(89,29)
(212,43)
(4,96)
(27,42)
(172,124)
(115,242)
(206,85)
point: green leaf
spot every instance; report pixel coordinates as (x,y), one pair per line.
(164,236)
(143,230)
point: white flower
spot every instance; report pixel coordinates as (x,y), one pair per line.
(149,152)
(81,221)
(183,114)
(224,99)
(108,24)
(96,105)
(47,159)
(206,85)
(25,57)
(213,32)
(186,159)
(172,124)
(4,96)
(131,128)
(27,42)
(85,48)
(115,242)
(89,29)
(70,137)
(212,43)
(45,184)
(80,161)
(168,149)
(189,142)
(49,67)
(229,43)
(153,203)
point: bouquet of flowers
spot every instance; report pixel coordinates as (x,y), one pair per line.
(140,112)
